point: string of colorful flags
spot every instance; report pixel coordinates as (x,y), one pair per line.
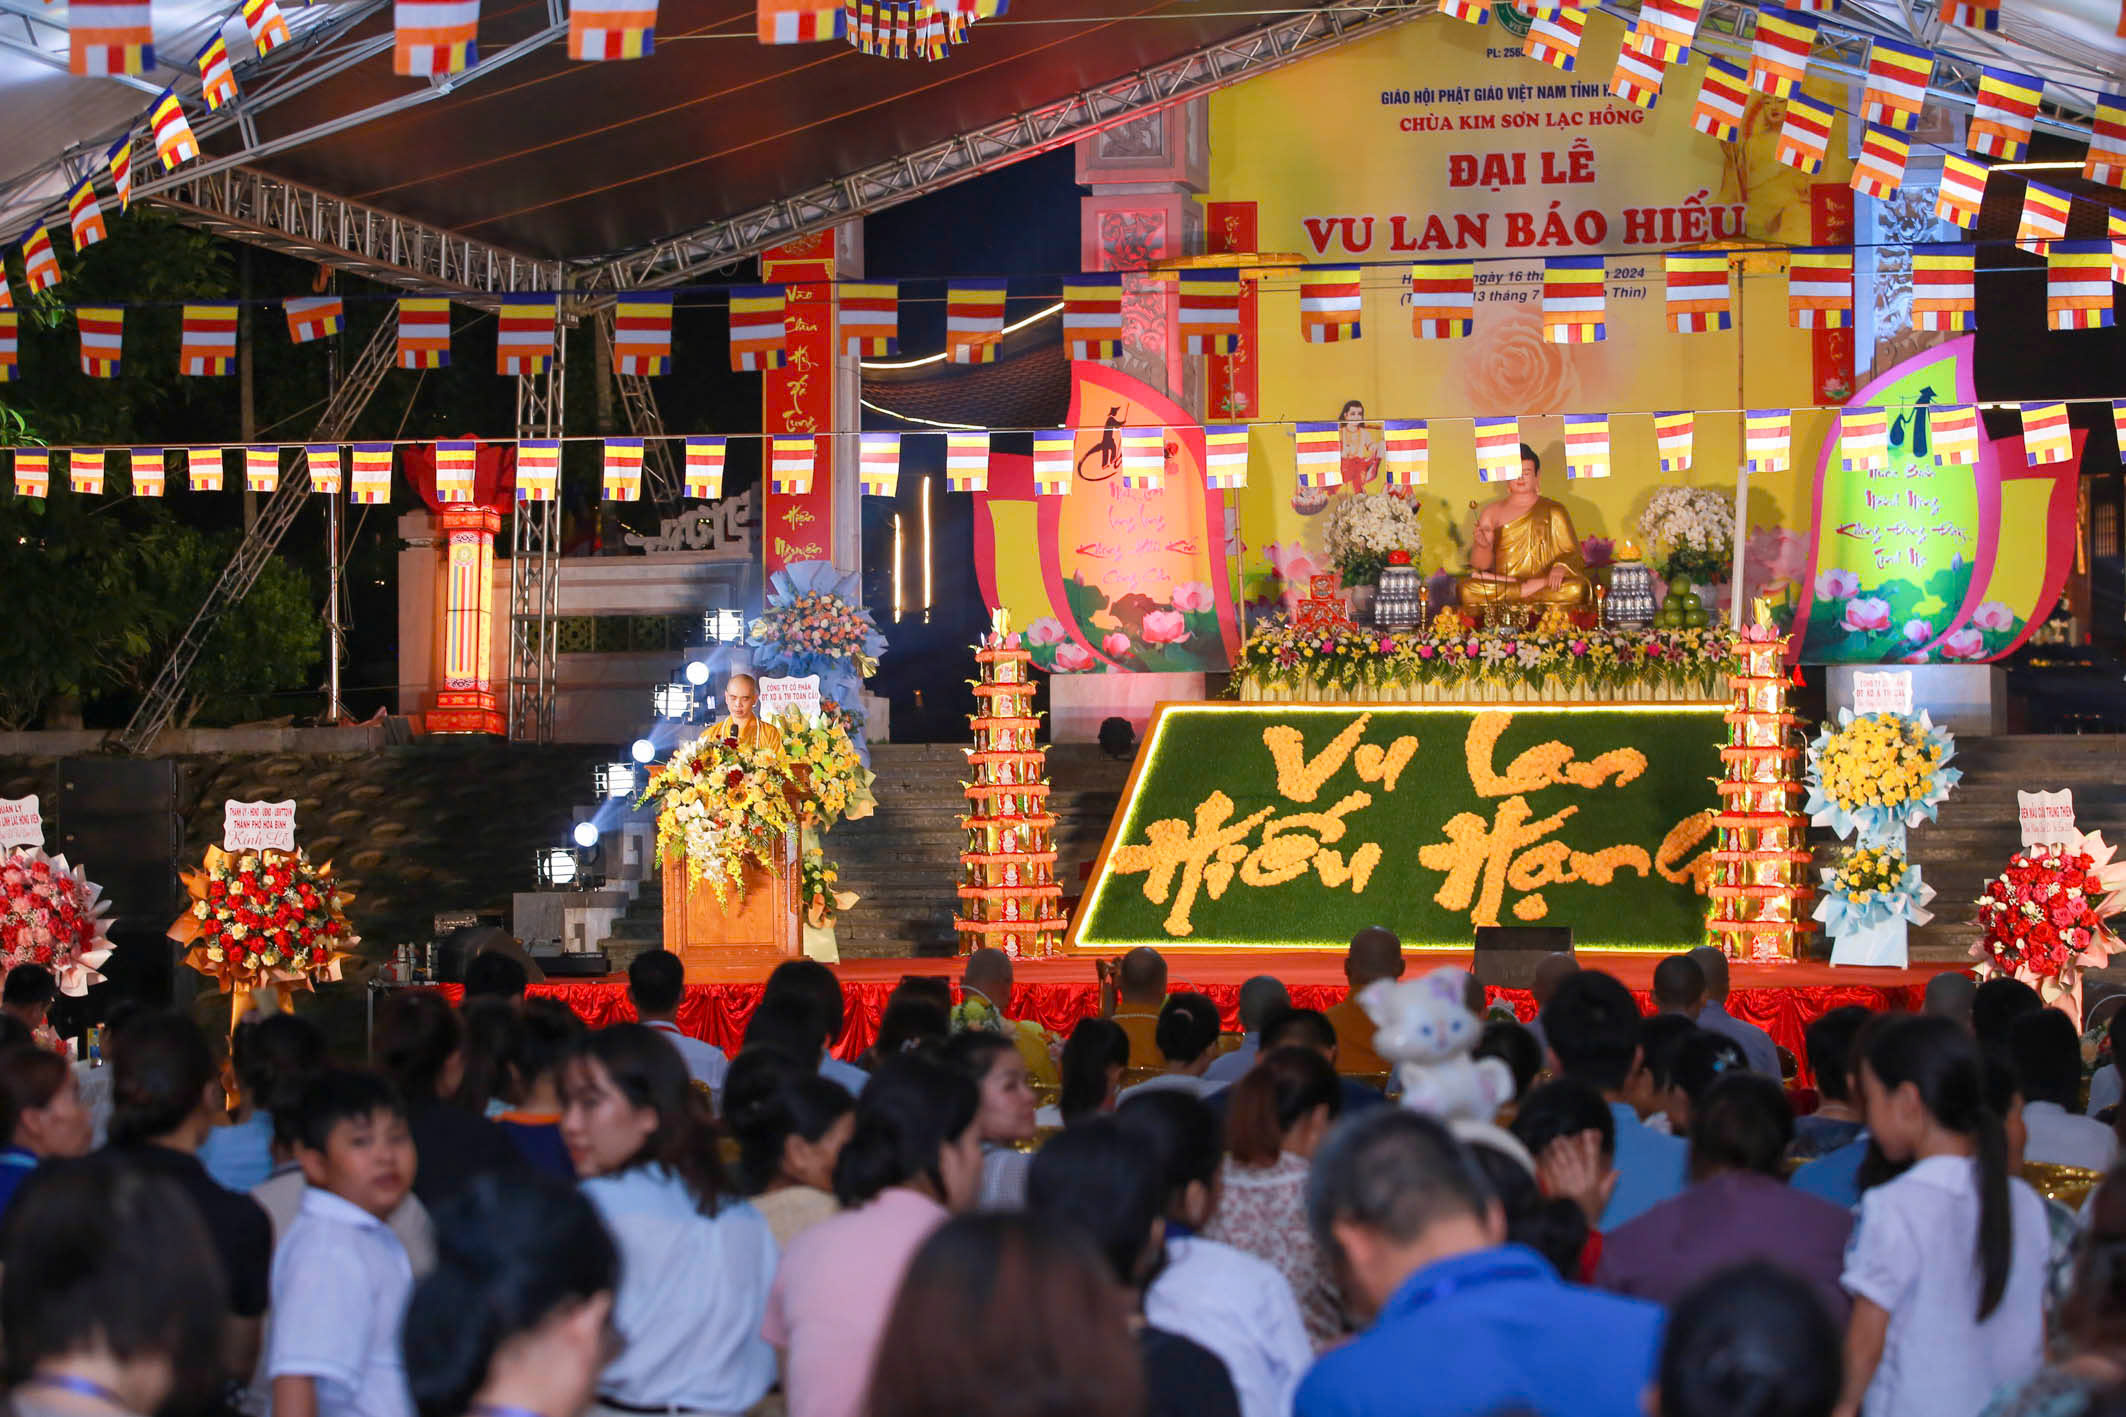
(363,471)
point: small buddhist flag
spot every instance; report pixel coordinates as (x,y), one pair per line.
(1972,14)
(974,320)
(642,335)
(1779,57)
(1225,455)
(323,461)
(2106,162)
(1555,39)
(2115,225)
(1898,74)
(1821,7)
(424,333)
(207,346)
(2005,111)
(1574,301)
(174,142)
(1442,299)
(1952,429)
(1318,454)
(84,471)
(1944,293)
(1586,445)
(85,215)
(312,317)
(1864,440)
(1766,436)
(1329,303)
(1092,316)
(262,468)
(2078,285)
(611,29)
(2118,420)
(1806,134)
(1054,451)
(102,330)
(109,37)
(704,467)
(1208,312)
(203,469)
(1469,12)
(1819,287)
(10,345)
(790,462)
(1723,97)
(434,37)
(120,161)
(2046,436)
(2044,216)
(146,469)
(33,472)
(40,263)
(265,24)
(372,474)
(1406,459)
(1880,169)
(1666,29)
(538,469)
(760,330)
(870,313)
(1672,439)
(1963,190)
(457,463)
(217,82)
(1144,458)
(621,480)
(1637,79)
(524,336)
(7,296)
(808,22)
(1498,449)
(878,464)
(1700,298)
(967,460)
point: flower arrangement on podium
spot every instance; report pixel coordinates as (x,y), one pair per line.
(264,921)
(815,623)
(2047,917)
(1869,898)
(817,882)
(1879,773)
(52,914)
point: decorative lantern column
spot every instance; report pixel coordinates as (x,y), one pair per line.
(465,617)
(1009,899)
(1762,851)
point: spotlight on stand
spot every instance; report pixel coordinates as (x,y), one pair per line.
(556,866)
(613,779)
(674,701)
(586,834)
(697,672)
(724,627)
(642,750)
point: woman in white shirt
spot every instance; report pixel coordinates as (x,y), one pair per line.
(696,1262)
(1947,1263)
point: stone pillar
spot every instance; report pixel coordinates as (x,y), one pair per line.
(1144,175)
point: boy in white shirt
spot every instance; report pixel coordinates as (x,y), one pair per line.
(341,1277)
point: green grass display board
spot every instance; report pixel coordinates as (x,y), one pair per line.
(1283,826)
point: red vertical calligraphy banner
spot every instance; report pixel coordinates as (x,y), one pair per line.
(1831,351)
(1236,384)
(799,398)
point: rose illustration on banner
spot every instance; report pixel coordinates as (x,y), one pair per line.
(1508,367)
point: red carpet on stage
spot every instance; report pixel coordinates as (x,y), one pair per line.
(1780,999)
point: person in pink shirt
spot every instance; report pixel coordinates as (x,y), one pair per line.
(914,1158)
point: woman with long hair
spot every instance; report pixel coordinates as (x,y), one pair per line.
(1005,1121)
(790,1125)
(696,1260)
(1947,1264)
(420,1046)
(1094,1059)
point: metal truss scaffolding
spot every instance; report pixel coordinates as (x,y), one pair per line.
(535,562)
(638,401)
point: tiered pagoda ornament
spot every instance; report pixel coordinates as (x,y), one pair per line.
(1009,899)
(1761,853)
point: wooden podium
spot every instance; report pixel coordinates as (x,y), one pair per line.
(749,934)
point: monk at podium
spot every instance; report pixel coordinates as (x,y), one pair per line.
(1525,551)
(741,702)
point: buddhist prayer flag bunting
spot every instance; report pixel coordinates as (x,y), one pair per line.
(102,330)
(967,460)
(2118,420)
(1880,169)
(1972,14)
(790,460)
(1586,445)
(1898,74)
(1952,430)
(878,463)
(217,82)
(1092,316)
(1498,449)
(1779,57)
(1806,134)
(974,320)
(1864,439)
(434,37)
(2106,162)
(85,215)
(323,460)
(84,471)
(424,333)
(621,478)
(40,263)
(174,142)
(611,29)
(2116,227)
(266,25)
(1666,29)
(109,37)
(1699,296)
(1555,39)
(1054,452)
(1471,12)
(371,482)
(1963,190)
(1209,312)
(457,462)
(33,472)
(146,469)
(1330,299)
(1722,99)
(7,296)
(1819,287)
(207,347)
(524,334)
(120,160)
(1821,7)
(2046,435)
(1225,455)
(538,469)
(642,335)
(203,469)
(1766,435)
(10,345)
(703,470)
(2044,216)
(1574,302)
(1442,299)
(1318,454)
(2078,285)
(1944,293)
(1637,79)
(760,329)
(1144,458)
(2006,108)
(870,313)
(808,21)
(262,469)
(1406,459)
(313,317)
(1672,439)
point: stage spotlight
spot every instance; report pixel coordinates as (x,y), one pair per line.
(613,779)
(697,672)
(642,750)
(674,701)
(556,866)
(586,833)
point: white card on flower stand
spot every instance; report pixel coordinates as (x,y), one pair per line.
(257,826)
(779,696)
(1883,945)
(21,824)
(1889,691)
(2047,818)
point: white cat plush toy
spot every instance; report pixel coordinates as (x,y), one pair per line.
(1427,1031)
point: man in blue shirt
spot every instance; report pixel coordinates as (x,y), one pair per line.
(1261,999)
(1592,1024)
(1757,1045)
(1463,1323)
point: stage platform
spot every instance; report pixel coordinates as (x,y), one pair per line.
(1781,999)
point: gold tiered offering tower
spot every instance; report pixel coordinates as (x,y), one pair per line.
(1009,899)
(1761,853)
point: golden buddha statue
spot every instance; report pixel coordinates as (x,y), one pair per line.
(741,700)
(1525,551)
